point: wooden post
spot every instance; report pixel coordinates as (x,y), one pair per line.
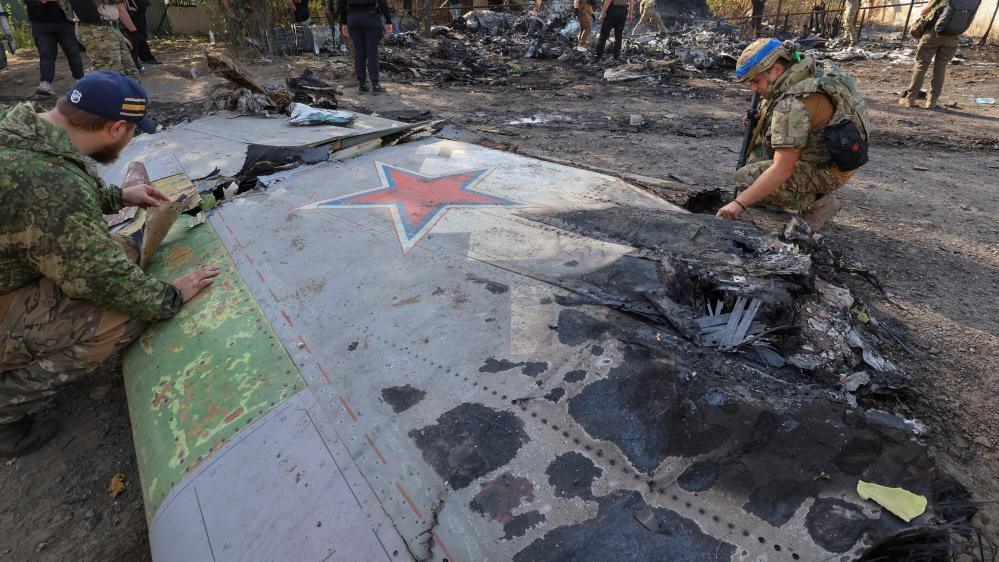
(427,18)
(908,16)
(787,17)
(988,29)
(860,24)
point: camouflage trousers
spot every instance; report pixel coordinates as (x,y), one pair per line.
(649,15)
(851,10)
(798,193)
(936,51)
(106,49)
(48,340)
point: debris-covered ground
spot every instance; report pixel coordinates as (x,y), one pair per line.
(918,222)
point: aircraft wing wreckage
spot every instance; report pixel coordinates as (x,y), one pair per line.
(441,351)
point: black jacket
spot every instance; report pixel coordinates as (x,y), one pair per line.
(47,12)
(344,7)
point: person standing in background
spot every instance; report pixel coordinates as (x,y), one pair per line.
(584,13)
(938,28)
(140,38)
(98,30)
(300,11)
(52,26)
(851,9)
(365,22)
(614,15)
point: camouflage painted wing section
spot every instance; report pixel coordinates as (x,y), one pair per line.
(198,379)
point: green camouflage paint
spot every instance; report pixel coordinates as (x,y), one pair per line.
(198,379)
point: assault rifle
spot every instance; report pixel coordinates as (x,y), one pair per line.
(752,117)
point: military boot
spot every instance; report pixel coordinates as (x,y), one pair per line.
(931,103)
(906,101)
(822,211)
(25,435)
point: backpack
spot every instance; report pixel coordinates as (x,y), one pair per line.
(956,17)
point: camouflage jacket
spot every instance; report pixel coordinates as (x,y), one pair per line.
(786,123)
(51,202)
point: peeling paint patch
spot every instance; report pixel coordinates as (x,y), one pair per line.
(500,497)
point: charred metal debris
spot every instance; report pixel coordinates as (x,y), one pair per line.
(758,328)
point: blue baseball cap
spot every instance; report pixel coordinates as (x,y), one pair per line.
(112,96)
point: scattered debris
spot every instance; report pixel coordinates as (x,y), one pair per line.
(116,486)
(302,114)
(903,503)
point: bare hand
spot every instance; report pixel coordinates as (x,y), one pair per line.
(142,195)
(343,32)
(388,28)
(730,211)
(189,285)
(127,43)
(628,21)
(601,18)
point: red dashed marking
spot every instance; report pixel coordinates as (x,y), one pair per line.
(312,195)
(371,442)
(287,319)
(261,276)
(229,228)
(325,374)
(249,259)
(349,411)
(273,294)
(240,244)
(221,216)
(437,539)
(305,345)
(409,500)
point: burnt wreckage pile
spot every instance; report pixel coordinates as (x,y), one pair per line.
(489,47)
(744,356)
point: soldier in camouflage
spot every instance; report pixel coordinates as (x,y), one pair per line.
(71,295)
(789,163)
(98,31)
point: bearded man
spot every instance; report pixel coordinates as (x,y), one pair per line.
(71,293)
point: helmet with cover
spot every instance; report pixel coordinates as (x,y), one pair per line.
(759,56)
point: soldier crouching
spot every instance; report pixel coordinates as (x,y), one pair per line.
(811,136)
(71,294)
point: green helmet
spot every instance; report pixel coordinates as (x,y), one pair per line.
(758,57)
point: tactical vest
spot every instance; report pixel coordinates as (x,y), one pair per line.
(806,77)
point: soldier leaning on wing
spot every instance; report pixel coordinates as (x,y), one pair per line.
(71,293)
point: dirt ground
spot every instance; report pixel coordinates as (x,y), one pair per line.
(922,215)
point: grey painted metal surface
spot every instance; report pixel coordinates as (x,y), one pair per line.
(220,140)
(284,489)
(410,333)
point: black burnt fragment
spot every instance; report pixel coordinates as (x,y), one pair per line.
(615,533)
(529,368)
(402,398)
(498,498)
(520,524)
(572,475)
(470,441)
(698,477)
(643,409)
(836,525)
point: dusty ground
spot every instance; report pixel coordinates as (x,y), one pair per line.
(922,215)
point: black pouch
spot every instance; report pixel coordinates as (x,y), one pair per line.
(846,146)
